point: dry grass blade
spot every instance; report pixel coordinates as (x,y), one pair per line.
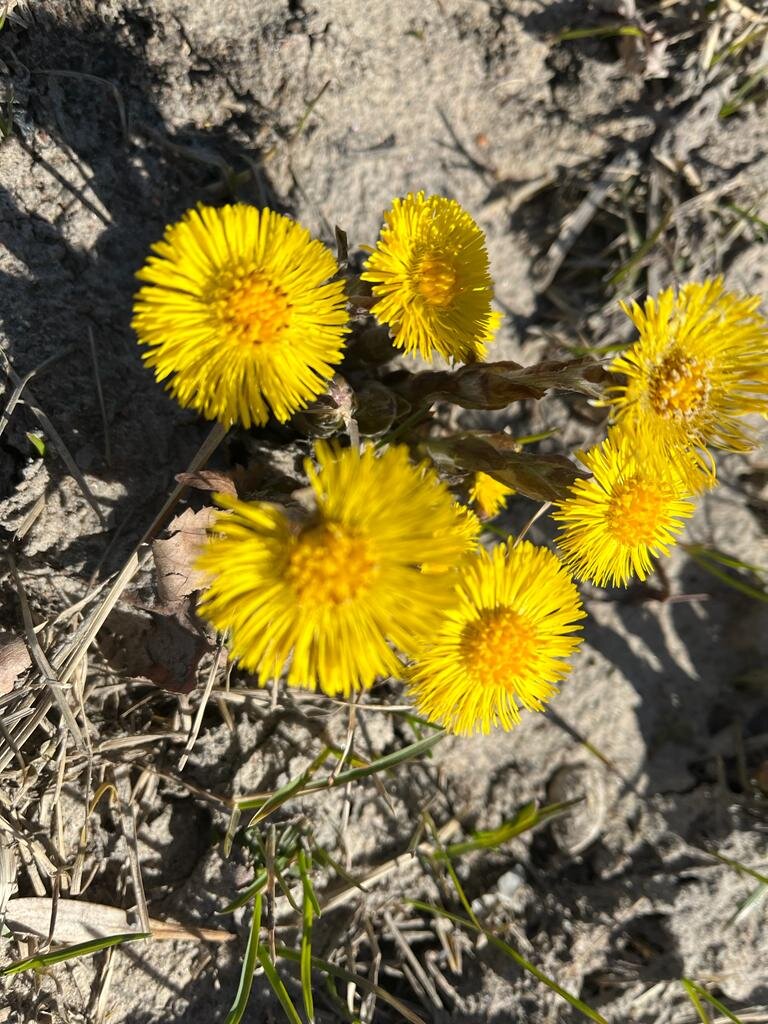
(397,863)
(61,73)
(625,165)
(521,961)
(81,920)
(100,396)
(128,821)
(7,876)
(425,984)
(67,659)
(353,979)
(42,664)
(197,723)
(55,438)
(23,381)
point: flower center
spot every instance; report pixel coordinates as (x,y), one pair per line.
(437,281)
(679,386)
(329,566)
(635,512)
(254,310)
(498,647)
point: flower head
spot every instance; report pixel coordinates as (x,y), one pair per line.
(502,646)
(332,597)
(489,495)
(239,315)
(630,510)
(430,274)
(695,370)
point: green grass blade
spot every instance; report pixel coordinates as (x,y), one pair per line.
(738,866)
(58,956)
(342,974)
(703,558)
(641,252)
(278,987)
(527,817)
(750,902)
(257,886)
(37,443)
(309,909)
(751,218)
(513,954)
(242,996)
(599,32)
(284,793)
(698,1006)
(715,555)
(744,93)
(696,993)
(298,787)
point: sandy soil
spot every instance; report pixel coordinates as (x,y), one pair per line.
(126,112)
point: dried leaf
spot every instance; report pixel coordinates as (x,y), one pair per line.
(495,385)
(162,644)
(14,660)
(209,480)
(541,477)
(175,556)
(80,920)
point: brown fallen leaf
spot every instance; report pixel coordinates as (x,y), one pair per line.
(175,556)
(209,480)
(162,644)
(80,920)
(14,660)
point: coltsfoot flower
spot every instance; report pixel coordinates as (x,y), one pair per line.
(631,510)
(489,495)
(332,598)
(239,315)
(694,371)
(430,274)
(504,645)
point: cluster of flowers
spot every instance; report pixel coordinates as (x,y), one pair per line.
(243,313)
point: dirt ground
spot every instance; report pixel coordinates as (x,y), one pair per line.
(601,167)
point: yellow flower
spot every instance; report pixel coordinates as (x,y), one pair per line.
(333,597)
(629,511)
(502,646)
(430,274)
(239,314)
(489,495)
(695,369)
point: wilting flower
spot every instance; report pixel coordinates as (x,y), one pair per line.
(628,512)
(694,371)
(430,274)
(503,645)
(239,314)
(489,495)
(332,597)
